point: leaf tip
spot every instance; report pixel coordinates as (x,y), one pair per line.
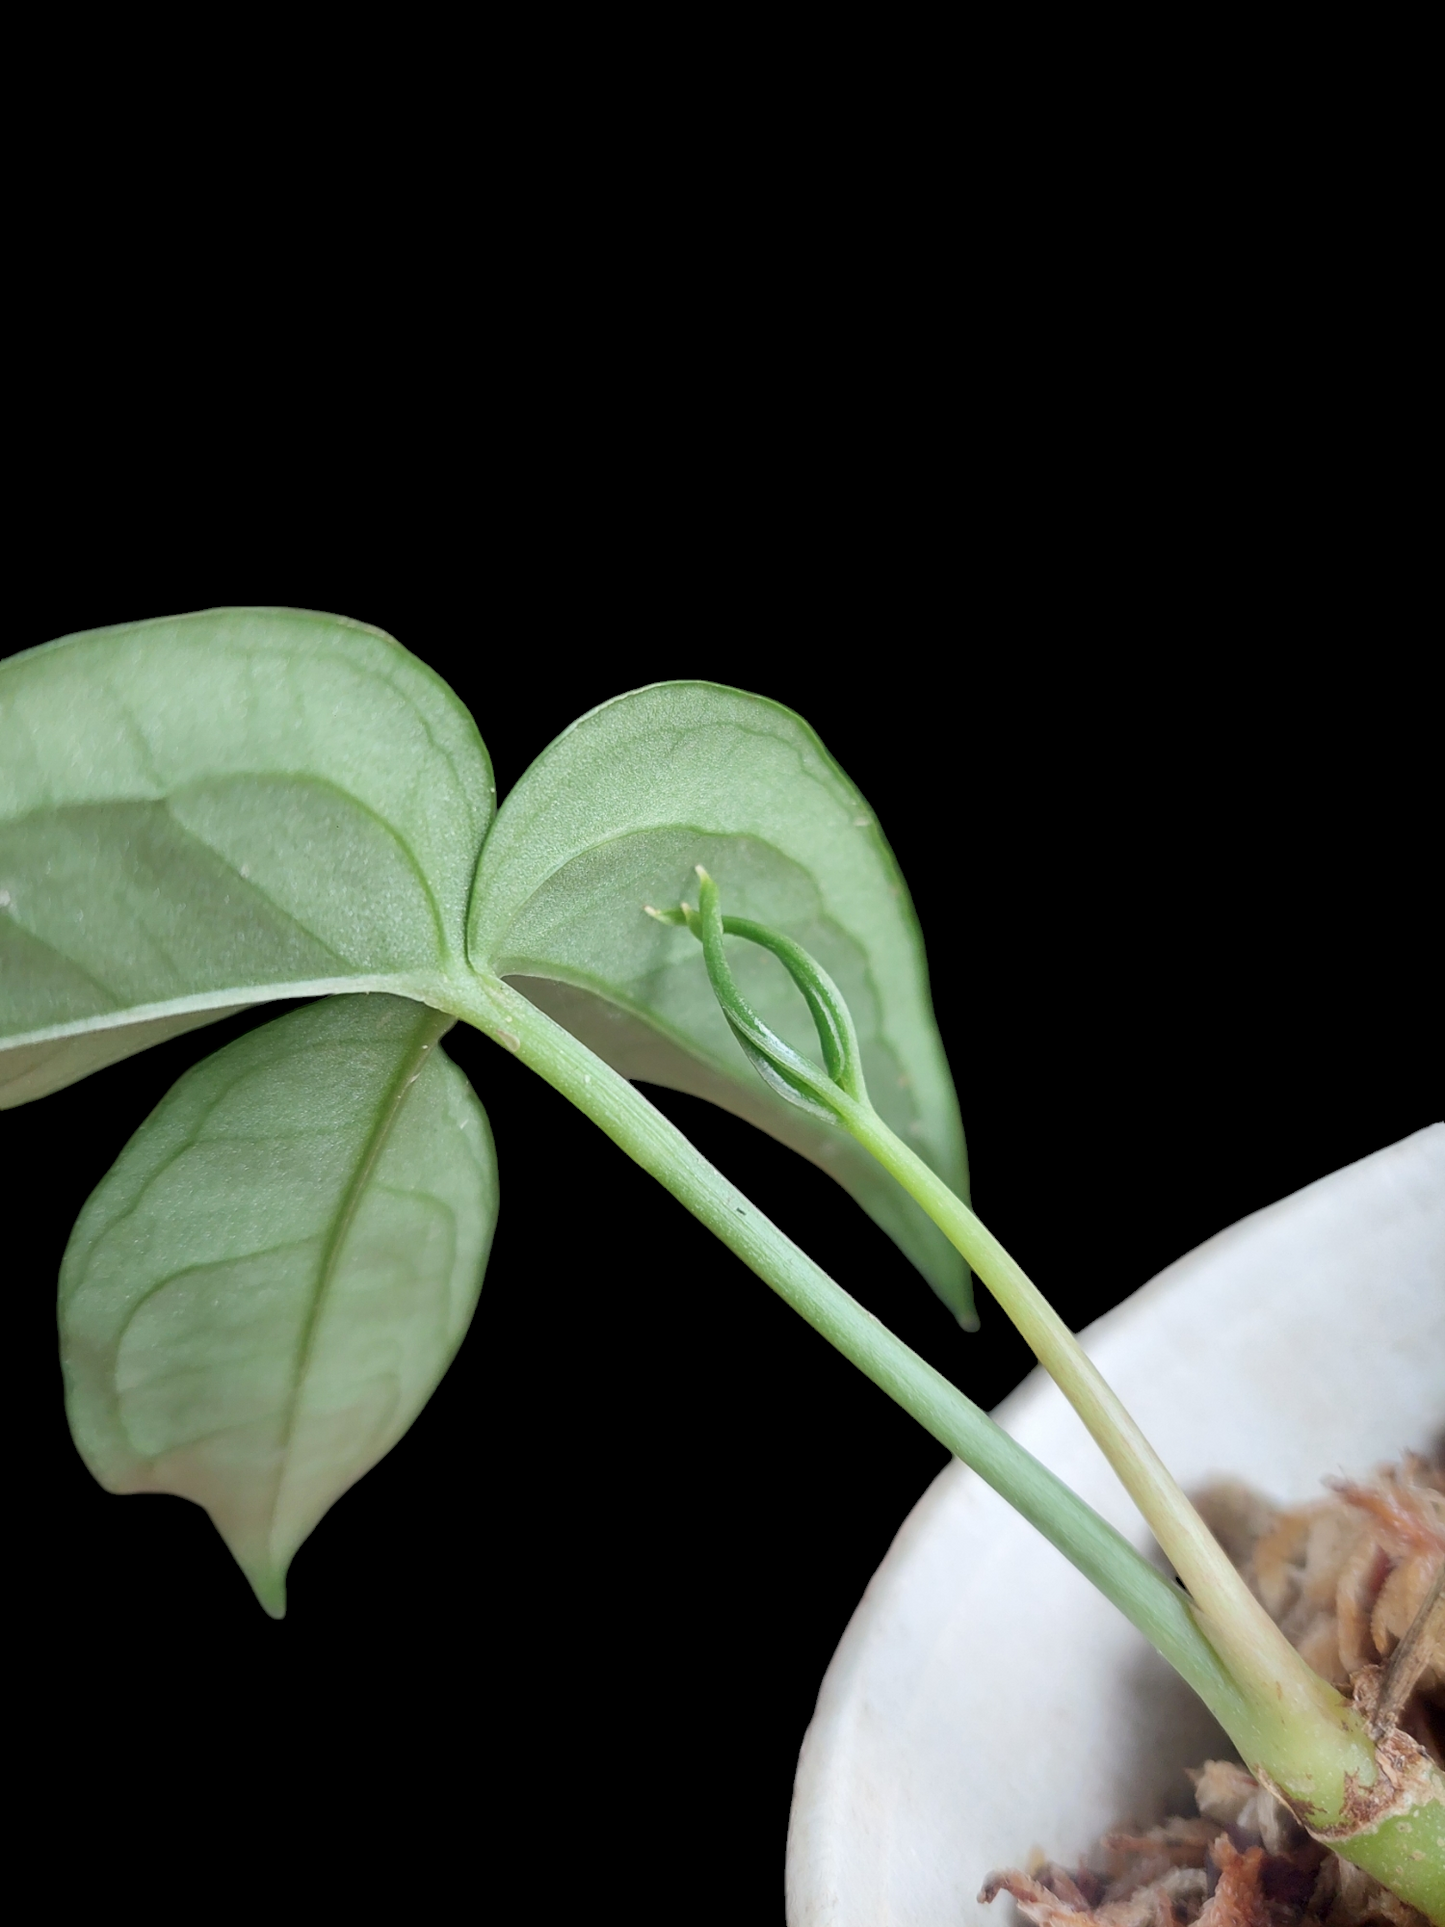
(269,1585)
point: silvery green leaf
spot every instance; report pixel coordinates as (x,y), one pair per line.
(213,810)
(615,816)
(268,1285)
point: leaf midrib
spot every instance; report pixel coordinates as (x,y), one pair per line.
(416,985)
(434,1027)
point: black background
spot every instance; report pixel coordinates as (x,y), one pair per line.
(1125,656)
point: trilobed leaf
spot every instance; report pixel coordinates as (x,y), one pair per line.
(208,811)
(266,1288)
(615,815)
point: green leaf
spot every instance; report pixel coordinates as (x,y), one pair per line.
(212,810)
(268,1285)
(614,816)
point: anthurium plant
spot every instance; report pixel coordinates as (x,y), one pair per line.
(203,814)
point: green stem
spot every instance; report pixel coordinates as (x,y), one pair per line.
(1217,1589)
(1104,1556)
(1289,1695)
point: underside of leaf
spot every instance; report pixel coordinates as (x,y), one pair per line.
(615,816)
(264,1291)
(210,811)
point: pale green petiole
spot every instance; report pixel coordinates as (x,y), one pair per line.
(1290,1725)
(1157,1608)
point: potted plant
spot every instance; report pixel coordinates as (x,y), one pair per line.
(221,792)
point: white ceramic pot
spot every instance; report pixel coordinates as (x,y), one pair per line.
(984,1699)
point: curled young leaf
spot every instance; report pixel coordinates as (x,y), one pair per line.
(213,810)
(615,816)
(266,1288)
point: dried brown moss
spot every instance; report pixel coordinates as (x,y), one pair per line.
(1345,1579)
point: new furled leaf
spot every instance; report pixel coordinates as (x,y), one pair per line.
(213,810)
(268,1285)
(615,816)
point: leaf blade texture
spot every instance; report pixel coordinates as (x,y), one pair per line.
(263,1292)
(616,814)
(207,811)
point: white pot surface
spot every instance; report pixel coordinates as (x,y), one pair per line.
(985,1700)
